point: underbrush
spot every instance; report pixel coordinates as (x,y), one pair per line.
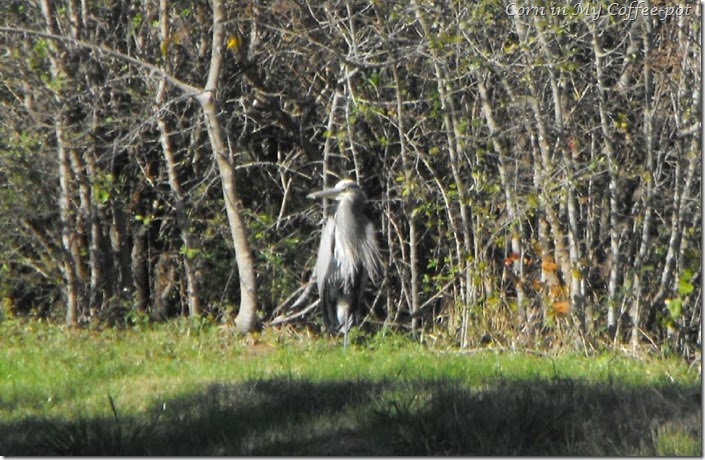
(186,388)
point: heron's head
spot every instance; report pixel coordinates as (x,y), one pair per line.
(346,188)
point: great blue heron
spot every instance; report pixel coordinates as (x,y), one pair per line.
(347,257)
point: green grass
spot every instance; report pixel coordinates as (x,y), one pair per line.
(190,388)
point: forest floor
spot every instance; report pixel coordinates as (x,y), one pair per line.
(191,388)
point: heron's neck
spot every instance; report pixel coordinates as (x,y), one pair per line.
(347,230)
(348,215)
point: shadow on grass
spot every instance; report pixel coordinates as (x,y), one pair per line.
(298,417)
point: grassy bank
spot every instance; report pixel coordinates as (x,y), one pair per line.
(196,389)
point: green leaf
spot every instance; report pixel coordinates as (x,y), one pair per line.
(190,253)
(685,287)
(675,307)
(102,195)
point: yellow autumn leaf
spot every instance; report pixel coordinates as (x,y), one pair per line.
(562,307)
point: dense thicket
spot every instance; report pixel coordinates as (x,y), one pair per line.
(535,172)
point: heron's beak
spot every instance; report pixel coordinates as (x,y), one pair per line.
(327,193)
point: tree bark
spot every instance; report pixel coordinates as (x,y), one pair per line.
(139,267)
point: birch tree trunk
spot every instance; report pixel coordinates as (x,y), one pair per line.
(89,278)
(558,84)
(71,255)
(613,171)
(545,171)
(190,253)
(515,226)
(409,187)
(247,316)
(645,234)
(453,135)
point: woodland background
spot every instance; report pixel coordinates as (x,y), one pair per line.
(535,178)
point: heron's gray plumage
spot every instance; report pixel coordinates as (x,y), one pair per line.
(347,256)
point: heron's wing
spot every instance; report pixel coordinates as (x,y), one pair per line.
(358,289)
(325,269)
(325,252)
(369,251)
